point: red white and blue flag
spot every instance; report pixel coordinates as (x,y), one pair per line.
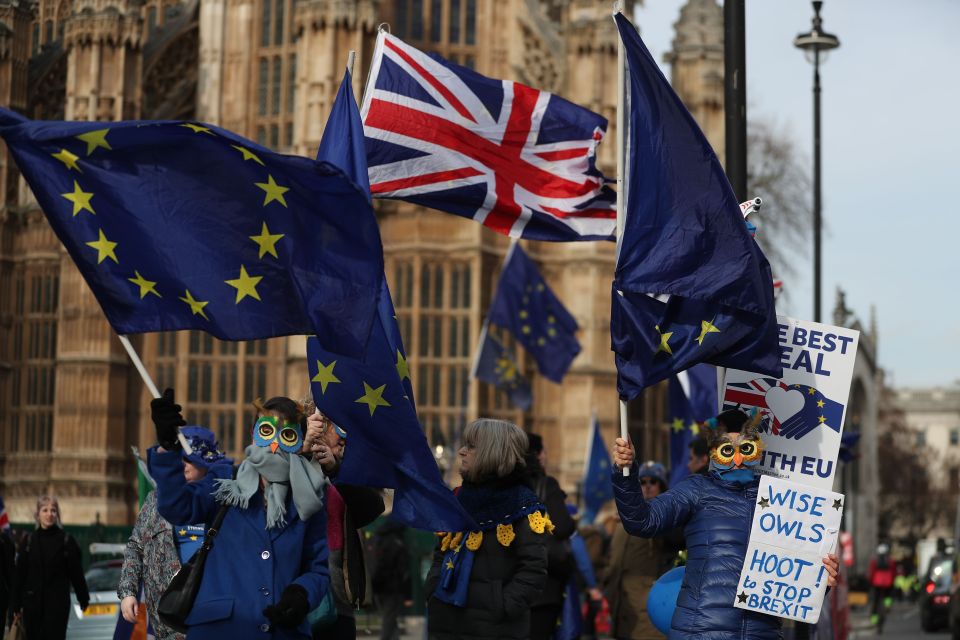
(4,520)
(518,160)
(753,393)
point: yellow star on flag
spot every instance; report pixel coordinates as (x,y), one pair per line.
(525,329)
(104,248)
(677,425)
(811,391)
(267,241)
(820,404)
(80,199)
(373,398)
(551,332)
(146,286)
(694,428)
(822,419)
(95,139)
(325,375)
(450,564)
(247,154)
(664,341)
(705,328)
(272,191)
(197,128)
(182,532)
(403,369)
(245,284)
(196,306)
(193,538)
(523,314)
(67,159)
(541,341)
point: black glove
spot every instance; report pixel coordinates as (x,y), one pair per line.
(84,605)
(166,418)
(291,609)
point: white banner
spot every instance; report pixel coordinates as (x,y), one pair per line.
(803,411)
(794,527)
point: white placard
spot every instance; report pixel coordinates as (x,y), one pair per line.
(794,527)
(803,411)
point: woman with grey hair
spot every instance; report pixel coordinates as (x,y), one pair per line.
(483,581)
(47,565)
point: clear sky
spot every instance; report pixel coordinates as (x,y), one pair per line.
(890,136)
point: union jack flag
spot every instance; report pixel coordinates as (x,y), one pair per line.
(753,393)
(4,518)
(518,160)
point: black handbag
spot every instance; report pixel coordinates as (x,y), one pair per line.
(177,599)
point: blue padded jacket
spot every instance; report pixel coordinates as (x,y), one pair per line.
(716,516)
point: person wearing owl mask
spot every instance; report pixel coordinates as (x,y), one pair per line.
(267,568)
(716,512)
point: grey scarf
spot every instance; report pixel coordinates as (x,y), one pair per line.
(282,472)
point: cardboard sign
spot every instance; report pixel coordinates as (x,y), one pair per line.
(803,412)
(794,527)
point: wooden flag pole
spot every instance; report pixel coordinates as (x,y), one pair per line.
(138,363)
(621,151)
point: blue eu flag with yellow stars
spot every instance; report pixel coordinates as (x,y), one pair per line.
(525,306)
(691,285)
(691,399)
(178,225)
(597,488)
(372,400)
(495,364)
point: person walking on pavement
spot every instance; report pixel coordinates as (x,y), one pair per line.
(156,549)
(47,566)
(391,576)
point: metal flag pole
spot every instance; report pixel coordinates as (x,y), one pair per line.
(621,149)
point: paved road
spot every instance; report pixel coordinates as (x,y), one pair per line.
(903,623)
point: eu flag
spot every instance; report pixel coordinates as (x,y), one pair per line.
(691,285)
(178,225)
(342,143)
(691,399)
(495,365)
(597,488)
(372,397)
(372,400)
(527,308)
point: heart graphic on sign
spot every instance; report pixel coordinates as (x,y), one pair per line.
(784,403)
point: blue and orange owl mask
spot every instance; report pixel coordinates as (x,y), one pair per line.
(735,445)
(269,432)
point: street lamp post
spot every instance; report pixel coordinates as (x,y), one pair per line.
(813,43)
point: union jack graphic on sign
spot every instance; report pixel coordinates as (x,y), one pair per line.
(747,395)
(518,160)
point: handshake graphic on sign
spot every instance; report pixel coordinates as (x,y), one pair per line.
(791,411)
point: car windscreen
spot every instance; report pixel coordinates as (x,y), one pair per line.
(103,578)
(940,572)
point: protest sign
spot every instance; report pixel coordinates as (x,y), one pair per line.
(794,527)
(803,411)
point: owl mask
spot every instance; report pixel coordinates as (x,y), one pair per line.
(735,445)
(274,457)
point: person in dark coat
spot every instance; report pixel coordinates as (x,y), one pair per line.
(483,582)
(699,459)
(391,576)
(48,564)
(560,564)
(716,513)
(8,552)
(267,568)
(348,509)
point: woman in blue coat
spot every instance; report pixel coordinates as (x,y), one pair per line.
(716,513)
(268,565)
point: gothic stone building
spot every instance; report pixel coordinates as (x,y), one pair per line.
(71,404)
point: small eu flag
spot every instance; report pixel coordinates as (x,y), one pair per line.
(527,308)
(371,398)
(691,285)
(495,364)
(178,225)
(597,488)
(691,399)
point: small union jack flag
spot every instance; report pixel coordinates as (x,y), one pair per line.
(4,518)
(518,160)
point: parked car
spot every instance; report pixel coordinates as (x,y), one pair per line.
(99,620)
(935,593)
